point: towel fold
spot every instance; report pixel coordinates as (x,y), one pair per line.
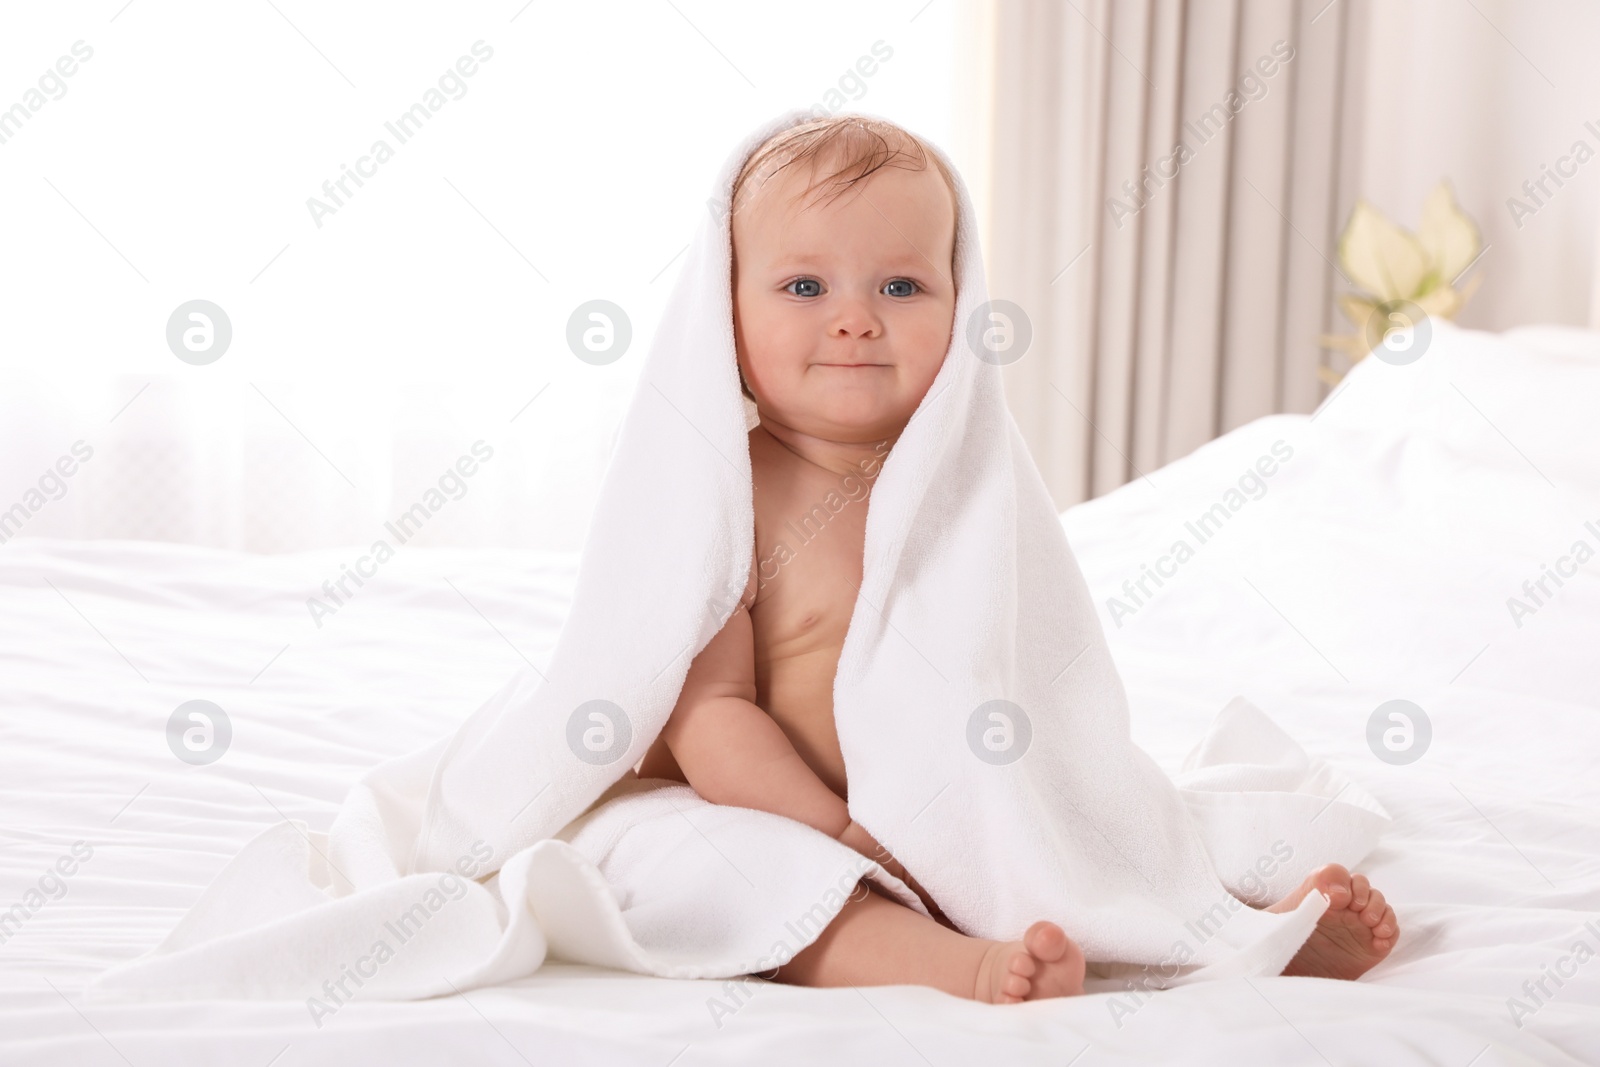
(982,721)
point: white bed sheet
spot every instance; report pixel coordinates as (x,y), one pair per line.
(1376,565)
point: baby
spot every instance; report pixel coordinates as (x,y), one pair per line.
(843,305)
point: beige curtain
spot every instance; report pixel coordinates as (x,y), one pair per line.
(1174,293)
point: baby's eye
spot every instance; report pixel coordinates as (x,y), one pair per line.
(804,281)
(902,281)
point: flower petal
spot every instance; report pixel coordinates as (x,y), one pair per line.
(1381,257)
(1448,236)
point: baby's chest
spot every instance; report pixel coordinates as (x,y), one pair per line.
(808,568)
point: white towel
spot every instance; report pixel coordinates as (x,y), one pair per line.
(969,595)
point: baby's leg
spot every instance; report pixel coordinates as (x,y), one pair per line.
(878,941)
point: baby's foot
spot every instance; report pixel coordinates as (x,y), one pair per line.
(1045,963)
(1356,932)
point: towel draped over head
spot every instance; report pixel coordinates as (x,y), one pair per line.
(983,725)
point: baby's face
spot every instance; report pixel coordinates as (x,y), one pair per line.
(842,311)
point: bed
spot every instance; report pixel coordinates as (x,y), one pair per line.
(1378,561)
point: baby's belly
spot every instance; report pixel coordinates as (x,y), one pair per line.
(795,687)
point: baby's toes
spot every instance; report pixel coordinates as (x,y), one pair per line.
(1388,926)
(1015,986)
(1360,889)
(1334,882)
(1046,940)
(1023,965)
(1374,910)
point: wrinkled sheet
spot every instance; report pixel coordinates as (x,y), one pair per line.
(1376,565)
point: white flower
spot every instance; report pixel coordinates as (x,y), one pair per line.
(1398,267)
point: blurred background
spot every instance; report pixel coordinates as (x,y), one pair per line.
(354,343)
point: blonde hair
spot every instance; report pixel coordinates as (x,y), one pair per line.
(857,146)
(853,147)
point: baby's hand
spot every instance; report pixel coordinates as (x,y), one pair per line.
(856,836)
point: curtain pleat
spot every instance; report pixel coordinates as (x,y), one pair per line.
(1165,191)
(1128,91)
(1158,235)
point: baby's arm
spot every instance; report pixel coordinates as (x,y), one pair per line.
(731,752)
